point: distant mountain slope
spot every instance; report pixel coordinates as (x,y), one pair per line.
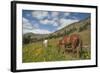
(74,27)
(32,35)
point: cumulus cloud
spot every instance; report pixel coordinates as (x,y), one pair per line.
(36,25)
(39,14)
(49,22)
(45,21)
(54,14)
(26,31)
(37,31)
(28,27)
(27,24)
(55,24)
(67,14)
(39,19)
(41,31)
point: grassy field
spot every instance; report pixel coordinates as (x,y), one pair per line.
(36,52)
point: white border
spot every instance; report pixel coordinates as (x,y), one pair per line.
(33,65)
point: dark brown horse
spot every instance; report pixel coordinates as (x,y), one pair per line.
(73,42)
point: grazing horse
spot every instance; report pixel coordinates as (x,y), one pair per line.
(45,43)
(73,41)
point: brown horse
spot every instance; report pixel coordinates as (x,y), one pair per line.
(73,42)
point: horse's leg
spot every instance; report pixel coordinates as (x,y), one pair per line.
(77,45)
(65,46)
(78,52)
(73,50)
(80,48)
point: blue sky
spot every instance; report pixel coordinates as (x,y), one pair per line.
(45,22)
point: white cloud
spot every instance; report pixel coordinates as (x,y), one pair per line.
(39,14)
(55,24)
(55,14)
(28,27)
(26,31)
(37,31)
(66,14)
(49,22)
(45,22)
(52,19)
(56,18)
(36,25)
(28,15)
(41,31)
(24,20)
(73,17)
(27,24)
(64,22)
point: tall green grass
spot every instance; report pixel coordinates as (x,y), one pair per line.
(36,52)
